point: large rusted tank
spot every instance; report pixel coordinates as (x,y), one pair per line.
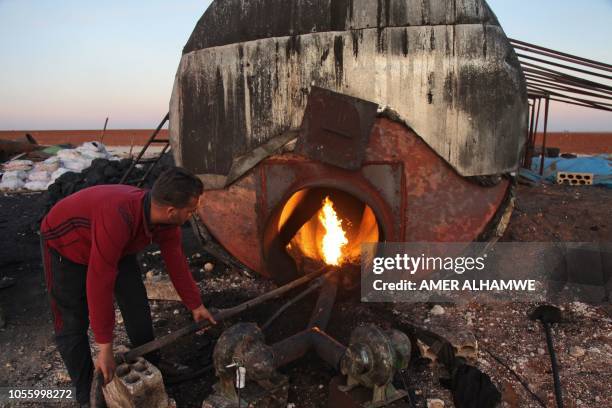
(407,114)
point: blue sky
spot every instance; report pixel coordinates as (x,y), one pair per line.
(67,64)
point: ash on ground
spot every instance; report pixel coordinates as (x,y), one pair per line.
(509,344)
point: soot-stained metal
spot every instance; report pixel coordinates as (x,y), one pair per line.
(445,67)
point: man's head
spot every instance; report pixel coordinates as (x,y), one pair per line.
(175,196)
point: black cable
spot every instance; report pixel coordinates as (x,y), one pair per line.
(555,367)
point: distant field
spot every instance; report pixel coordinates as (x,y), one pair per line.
(578,142)
(116,137)
(574,142)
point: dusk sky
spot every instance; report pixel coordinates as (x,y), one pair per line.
(67,64)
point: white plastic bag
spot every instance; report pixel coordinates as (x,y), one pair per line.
(39,176)
(15,175)
(44,166)
(69,154)
(16,165)
(58,173)
(52,160)
(77,165)
(11,184)
(36,185)
(94,154)
(92,146)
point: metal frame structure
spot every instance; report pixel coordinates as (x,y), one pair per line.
(557,76)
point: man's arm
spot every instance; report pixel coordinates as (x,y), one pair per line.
(110,232)
(170,244)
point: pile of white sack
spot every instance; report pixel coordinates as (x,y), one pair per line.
(25,174)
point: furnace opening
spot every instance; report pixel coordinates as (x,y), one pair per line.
(332,225)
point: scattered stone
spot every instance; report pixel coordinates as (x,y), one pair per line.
(62,376)
(435,403)
(209,266)
(437,310)
(541,351)
(176,311)
(577,351)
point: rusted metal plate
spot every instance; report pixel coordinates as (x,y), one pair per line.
(441,205)
(400,171)
(336,128)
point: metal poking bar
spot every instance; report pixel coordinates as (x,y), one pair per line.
(544,135)
(219,315)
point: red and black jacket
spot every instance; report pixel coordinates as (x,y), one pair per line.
(100,225)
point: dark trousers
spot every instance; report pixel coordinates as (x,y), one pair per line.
(66,281)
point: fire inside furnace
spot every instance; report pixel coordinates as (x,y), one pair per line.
(334,234)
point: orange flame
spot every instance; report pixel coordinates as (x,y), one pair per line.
(335,237)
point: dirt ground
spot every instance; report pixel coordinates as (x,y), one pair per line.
(509,344)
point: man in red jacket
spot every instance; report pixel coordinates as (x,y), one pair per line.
(90,240)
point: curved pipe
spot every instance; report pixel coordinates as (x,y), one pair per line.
(296,346)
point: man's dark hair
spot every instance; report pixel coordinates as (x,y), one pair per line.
(176,187)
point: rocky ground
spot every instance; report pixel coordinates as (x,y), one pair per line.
(510,345)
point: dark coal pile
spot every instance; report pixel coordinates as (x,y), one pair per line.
(100,172)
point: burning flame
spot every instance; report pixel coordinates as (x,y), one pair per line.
(335,237)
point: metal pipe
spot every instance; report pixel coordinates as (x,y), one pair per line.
(327,348)
(594,103)
(530,137)
(325,303)
(556,64)
(539,47)
(565,87)
(544,136)
(315,285)
(219,315)
(544,75)
(554,365)
(296,346)
(142,152)
(564,75)
(571,60)
(538,92)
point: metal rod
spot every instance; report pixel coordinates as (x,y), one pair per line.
(564,75)
(537,122)
(544,136)
(556,64)
(557,97)
(571,81)
(315,285)
(539,47)
(564,87)
(571,60)
(545,92)
(219,315)
(529,145)
(152,166)
(142,152)
(104,130)
(554,364)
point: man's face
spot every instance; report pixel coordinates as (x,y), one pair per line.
(178,216)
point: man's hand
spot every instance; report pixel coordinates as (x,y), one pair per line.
(106,362)
(201,313)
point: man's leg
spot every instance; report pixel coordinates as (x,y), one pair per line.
(66,286)
(132,299)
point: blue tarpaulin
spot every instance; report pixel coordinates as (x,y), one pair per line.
(600,166)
